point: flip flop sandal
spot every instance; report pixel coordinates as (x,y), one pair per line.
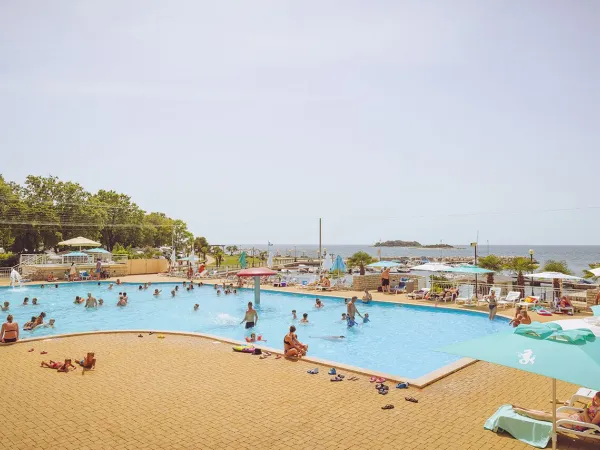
(332,371)
(383,391)
(151,333)
(31,349)
(139,335)
(43,353)
(313,371)
(373,379)
(341,376)
(380,380)
(336,379)
(263,356)
(388,407)
(268,353)
(402,385)
(411,399)
(278,357)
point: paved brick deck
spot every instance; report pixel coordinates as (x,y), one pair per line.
(189,393)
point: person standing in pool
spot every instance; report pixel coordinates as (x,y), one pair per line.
(351,311)
(493,305)
(251,317)
(91,301)
(98,269)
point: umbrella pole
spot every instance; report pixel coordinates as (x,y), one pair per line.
(554,437)
(257,290)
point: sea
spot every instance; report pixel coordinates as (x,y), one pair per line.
(578,257)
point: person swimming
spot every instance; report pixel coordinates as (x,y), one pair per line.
(157,292)
(6,306)
(318,303)
(366,318)
(304,318)
(29,325)
(294,317)
(34,301)
(50,324)
(196,306)
(100,302)
(253,338)
(344,317)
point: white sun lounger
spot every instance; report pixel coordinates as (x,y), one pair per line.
(511,298)
(583,395)
(465,295)
(589,430)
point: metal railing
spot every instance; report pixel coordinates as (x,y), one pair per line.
(40,259)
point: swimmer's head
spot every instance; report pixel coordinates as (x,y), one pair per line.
(52,321)
(100,302)
(196,306)
(253,336)
(366,314)
(343,315)
(305,315)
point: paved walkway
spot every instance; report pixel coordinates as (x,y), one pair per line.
(185,392)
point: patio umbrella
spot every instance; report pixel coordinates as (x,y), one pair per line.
(242,260)
(433,268)
(568,355)
(270,260)
(595,272)
(173,259)
(469,269)
(553,276)
(256,272)
(327,263)
(339,266)
(73,254)
(380,264)
(80,242)
(97,250)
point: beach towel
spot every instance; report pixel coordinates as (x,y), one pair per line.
(531,431)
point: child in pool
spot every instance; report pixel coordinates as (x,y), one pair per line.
(29,325)
(253,338)
(294,317)
(100,302)
(366,318)
(304,318)
(344,317)
(157,292)
(34,301)
(196,306)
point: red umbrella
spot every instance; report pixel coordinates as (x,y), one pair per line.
(256,272)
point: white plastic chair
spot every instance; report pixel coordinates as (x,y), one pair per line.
(465,294)
(589,430)
(511,298)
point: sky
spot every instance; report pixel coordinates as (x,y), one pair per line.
(428,121)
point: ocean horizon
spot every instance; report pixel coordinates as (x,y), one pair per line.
(578,257)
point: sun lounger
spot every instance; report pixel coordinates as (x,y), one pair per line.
(527,305)
(564,425)
(511,298)
(465,295)
(533,432)
(583,395)
(485,299)
(420,294)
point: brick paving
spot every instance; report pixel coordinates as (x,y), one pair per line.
(185,392)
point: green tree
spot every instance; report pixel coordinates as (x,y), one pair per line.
(157,230)
(201,246)
(122,220)
(181,236)
(557,266)
(231,249)
(360,260)
(518,265)
(490,262)
(218,254)
(587,274)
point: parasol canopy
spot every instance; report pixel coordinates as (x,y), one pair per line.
(256,272)
(80,242)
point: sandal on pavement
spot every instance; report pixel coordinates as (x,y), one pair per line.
(388,406)
(411,399)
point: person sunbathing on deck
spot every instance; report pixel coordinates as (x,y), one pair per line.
(89,362)
(60,367)
(590,414)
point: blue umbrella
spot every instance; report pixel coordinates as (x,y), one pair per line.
(469,269)
(76,254)
(97,250)
(543,349)
(384,264)
(338,265)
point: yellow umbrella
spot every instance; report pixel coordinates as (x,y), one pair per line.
(80,242)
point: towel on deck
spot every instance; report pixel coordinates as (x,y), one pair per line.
(531,431)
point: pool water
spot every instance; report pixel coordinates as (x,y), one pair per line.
(400,339)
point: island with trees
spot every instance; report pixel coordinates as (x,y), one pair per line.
(412,244)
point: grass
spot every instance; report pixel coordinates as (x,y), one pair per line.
(235,261)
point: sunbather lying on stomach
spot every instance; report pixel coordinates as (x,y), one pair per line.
(591,414)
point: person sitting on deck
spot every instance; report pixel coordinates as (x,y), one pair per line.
(51,277)
(367,297)
(564,305)
(292,347)
(89,362)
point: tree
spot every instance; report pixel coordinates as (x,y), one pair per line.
(122,219)
(201,245)
(587,274)
(231,249)
(360,259)
(181,236)
(490,262)
(518,265)
(557,266)
(218,255)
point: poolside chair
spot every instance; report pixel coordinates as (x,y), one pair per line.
(589,430)
(420,294)
(534,301)
(84,275)
(583,395)
(511,298)
(485,299)
(465,295)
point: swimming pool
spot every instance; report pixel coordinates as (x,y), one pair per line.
(399,340)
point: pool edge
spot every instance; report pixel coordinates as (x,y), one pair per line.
(420,382)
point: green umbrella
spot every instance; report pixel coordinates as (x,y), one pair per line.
(572,355)
(242,260)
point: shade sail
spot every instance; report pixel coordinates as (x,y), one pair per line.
(552,276)
(433,267)
(97,250)
(384,264)
(73,254)
(470,269)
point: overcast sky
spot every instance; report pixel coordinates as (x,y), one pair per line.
(249,120)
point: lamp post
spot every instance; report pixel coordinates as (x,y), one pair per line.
(474,245)
(531,252)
